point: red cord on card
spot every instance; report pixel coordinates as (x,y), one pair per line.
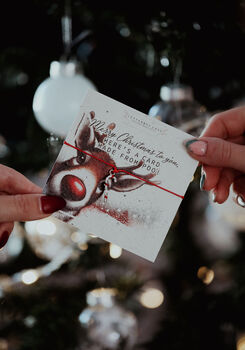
(116,170)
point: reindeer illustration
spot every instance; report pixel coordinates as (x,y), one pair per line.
(81,180)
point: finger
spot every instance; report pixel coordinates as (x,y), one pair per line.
(13,182)
(211,177)
(28,207)
(217,152)
(222,189)
(240,140)
(5,229)
(227,124)
(239,186)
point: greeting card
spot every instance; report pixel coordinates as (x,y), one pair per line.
(123,175)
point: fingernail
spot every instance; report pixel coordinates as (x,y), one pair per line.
(240,201)
(50,204)
(213,194)
(202,180)
(4,239)
(196,146)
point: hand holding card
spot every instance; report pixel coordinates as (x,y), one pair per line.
(123,175)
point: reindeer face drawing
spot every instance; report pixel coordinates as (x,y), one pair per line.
(81,180)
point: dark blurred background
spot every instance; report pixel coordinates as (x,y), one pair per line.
(132,50)
(122,56)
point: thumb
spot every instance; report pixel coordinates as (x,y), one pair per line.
(24,207)
(217,152)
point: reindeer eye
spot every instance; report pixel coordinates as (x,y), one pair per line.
(79,160)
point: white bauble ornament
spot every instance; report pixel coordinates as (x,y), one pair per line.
(49,237)
(57,100)
(107,326)
(231,212)
(14,245)
(178,107)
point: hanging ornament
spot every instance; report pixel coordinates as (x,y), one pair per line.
(213,226)
(178,108)
(107,325)
(14,246)
(49,237)
(229,211)
(57,100)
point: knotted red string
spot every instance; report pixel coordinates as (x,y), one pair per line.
(116,170)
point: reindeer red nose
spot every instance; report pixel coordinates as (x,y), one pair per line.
(72,188)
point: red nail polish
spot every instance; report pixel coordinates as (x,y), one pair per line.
(4,239)
(50,204)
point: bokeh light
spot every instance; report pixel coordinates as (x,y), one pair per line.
(241,342)
(29,276)
(151,298)
(205,274)
(3,344)
(164,61)
(115,251)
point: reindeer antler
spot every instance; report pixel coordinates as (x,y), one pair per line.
(127,180)
(132,167)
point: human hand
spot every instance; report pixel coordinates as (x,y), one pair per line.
(22,200)
(221,151)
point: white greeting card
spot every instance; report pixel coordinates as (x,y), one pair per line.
(123,175)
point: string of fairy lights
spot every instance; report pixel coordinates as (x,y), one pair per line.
(59,242)
(65,243)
